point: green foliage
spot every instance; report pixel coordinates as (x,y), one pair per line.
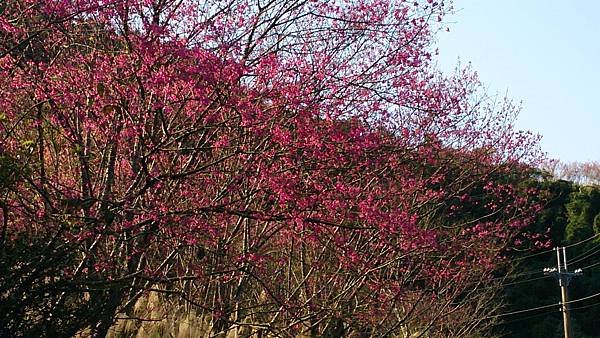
(582,210)
(9,171)
(554,214)
(31,283)
(597,224)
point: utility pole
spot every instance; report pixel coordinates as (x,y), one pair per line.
(564,277)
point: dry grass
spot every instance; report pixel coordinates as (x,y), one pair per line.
(153,318)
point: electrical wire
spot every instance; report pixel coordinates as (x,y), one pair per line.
(520,311)
(540,307)
(521,281)
(514,276)
(585,255)
(520,319)
(529,317)
(533,272)
(538,271)
(583,241)
(577,259)
(536,278)
(591,265)
(566,247)
(522,274)
(498,286)
(551,250)
(502,285)
(507,277)
(584,306)
(533,255)
(584,298)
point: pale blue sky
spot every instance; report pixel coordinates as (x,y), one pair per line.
(545,53)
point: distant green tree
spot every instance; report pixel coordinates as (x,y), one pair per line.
(556,195)
(597,224)
(582,209)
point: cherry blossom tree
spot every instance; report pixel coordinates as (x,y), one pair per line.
(285,167)
(587,173)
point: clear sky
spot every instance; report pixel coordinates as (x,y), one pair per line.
(545,53)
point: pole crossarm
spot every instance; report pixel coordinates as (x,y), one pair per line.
(564,278)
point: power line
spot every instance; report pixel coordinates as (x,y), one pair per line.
(533,255)
(582,241)
(512,277)
(512,283)
(584,298)
(524,281)
(547,313)
(506,277)
(520,311)
(498,286)
(574,261)
(502,278)
(533,272)
(551,250)
(517,275)
(589,266)
(585,306)
(586,254)
(529,317)
(537,271)
(522,274)
(539,308)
